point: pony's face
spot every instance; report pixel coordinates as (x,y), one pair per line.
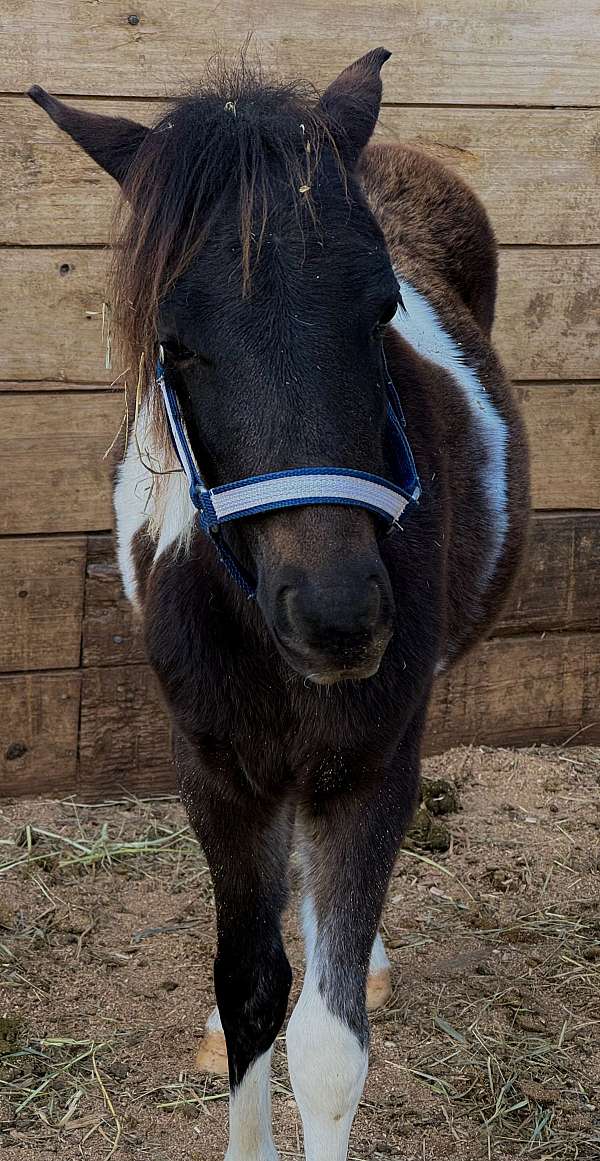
(282,369)
(291,375)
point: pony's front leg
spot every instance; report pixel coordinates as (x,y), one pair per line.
(246,841)
(350,842)
(212,1051)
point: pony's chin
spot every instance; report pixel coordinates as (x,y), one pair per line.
(335,676)
(323,670)
(326,673)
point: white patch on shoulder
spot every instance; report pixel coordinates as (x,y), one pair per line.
(166,509)
(421,327)
(250,1137)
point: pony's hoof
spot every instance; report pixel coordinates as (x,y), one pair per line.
(212,1054)
(379,989)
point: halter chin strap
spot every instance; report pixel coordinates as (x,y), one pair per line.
(296,486)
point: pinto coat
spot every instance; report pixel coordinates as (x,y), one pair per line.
(273,253)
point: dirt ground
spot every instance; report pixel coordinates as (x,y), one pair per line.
(489,1047)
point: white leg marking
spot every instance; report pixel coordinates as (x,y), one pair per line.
(327,1064)
(328,1068)
(213,1024)
(250,1137)
(379,961)
(309,927)
(421,327)
(379,983)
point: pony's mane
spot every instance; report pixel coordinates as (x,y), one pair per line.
(236,135)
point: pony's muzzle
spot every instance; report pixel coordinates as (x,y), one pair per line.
(335,626)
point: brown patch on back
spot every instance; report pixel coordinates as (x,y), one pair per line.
(430,216)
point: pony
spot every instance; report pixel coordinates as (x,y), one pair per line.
(302,290)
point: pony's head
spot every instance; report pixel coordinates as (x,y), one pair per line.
(248,251)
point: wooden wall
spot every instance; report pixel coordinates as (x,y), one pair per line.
(505,91)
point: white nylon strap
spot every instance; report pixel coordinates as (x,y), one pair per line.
(296,487)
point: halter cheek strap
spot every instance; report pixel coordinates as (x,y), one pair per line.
(296,486)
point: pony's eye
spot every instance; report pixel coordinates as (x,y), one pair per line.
(177,353)
(387,314)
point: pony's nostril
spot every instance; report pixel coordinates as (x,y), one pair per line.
(284,610)
(342,613)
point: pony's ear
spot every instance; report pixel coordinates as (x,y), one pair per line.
(351,103)
(112,142)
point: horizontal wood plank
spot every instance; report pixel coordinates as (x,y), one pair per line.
(53,193)
(548,321)
(562,424)
(51,305)
(497,52)
(111,634)
(51,301)
(125,737)
(520,691)
(558,585)
(536,170)
(53,477)
(39,716)
(42,586)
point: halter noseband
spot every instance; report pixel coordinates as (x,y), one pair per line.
(296,486)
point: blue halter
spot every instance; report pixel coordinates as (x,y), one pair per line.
(296,486)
